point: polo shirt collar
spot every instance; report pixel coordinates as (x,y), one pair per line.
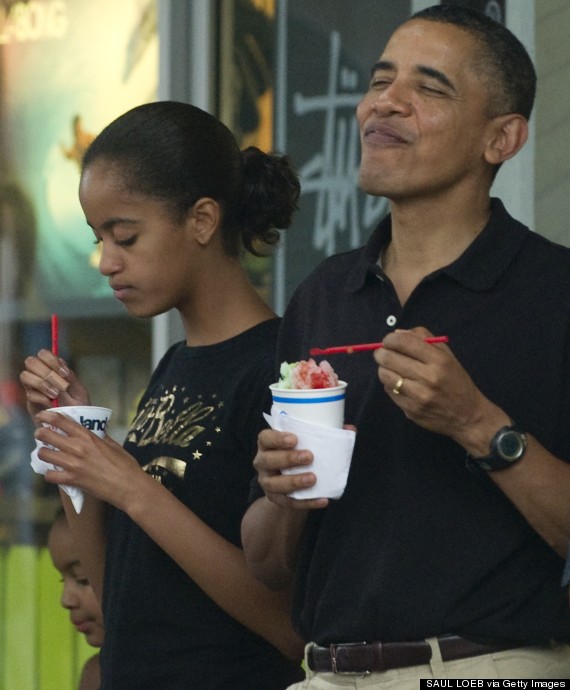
(366,265)
(490,254)
(478,268)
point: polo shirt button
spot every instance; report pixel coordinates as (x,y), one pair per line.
(391,321)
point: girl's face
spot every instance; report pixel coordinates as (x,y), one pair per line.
(151,260)
(77,596)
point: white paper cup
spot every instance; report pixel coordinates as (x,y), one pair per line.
(331,447)
(324,406)
(92,417)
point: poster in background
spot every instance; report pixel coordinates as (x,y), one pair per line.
(246,96)
(325,59)
(68,67)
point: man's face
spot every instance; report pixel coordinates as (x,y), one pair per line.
(423,121)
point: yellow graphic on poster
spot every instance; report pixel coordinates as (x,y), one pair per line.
(68,68)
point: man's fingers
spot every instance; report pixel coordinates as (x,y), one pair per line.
(269,439)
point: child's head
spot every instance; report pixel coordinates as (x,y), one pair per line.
(173,202)
(77,596)
(178,154)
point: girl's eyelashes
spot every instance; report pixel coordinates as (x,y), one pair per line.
(83,581)
(128,242)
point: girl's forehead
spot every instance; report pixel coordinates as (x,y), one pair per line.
(61,546)
(106,171)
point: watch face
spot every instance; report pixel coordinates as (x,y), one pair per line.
(507,447)
(511,445)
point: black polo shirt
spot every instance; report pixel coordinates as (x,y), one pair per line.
(419,545)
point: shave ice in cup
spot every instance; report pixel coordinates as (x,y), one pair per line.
(308,400)
(311,392)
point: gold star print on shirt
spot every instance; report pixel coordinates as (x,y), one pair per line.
(173,419)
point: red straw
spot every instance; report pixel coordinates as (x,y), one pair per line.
(349,349)
(55,345)
(54,335)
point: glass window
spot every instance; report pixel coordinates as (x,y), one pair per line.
(245,98)
(302,65)
(67,68)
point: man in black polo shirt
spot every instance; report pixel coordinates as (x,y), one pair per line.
(444,557)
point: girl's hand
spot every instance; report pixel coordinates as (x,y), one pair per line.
(46,377)
(98,466)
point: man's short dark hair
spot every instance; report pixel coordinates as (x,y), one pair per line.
(503,59)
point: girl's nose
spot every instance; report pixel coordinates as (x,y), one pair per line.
(108,259)
(69,599)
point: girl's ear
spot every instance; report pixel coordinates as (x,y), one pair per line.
(508,136)
(205,218)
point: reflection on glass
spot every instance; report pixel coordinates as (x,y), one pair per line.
(246,93)
(67,69)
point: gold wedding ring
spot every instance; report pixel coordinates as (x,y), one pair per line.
(398,386)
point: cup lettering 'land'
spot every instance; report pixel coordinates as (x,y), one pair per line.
(92,417)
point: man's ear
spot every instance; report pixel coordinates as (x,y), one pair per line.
(508,135)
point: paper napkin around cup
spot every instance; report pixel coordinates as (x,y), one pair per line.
(41,467)
(332,452)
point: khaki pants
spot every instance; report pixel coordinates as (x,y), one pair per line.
(527,662)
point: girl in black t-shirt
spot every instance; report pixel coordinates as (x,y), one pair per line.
(173,201)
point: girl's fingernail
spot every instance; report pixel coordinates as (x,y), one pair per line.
(53,393)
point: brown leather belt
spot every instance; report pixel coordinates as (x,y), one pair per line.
(381,656)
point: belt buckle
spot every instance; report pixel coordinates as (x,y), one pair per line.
(332,649)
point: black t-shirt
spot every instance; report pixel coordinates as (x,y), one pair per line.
(195,431)
(418,545)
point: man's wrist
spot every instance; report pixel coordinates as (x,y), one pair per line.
(507,447)
(477,439)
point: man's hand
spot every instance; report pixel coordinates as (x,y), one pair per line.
(276,451)
(433,389)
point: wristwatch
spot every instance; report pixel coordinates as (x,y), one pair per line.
(507,447)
